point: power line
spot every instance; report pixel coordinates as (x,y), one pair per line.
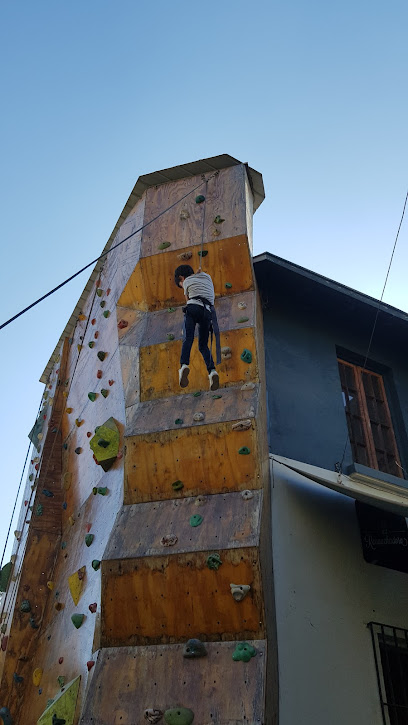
(104,254)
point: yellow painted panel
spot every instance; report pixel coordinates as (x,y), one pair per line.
(151,284)
(159,365)
(204,458)
(63,706)
(163,599)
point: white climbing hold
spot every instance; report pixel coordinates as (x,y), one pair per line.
(200,500)
(242,425)
(226,353)
(246,495)
(198,416)
(248,386)
(239,591)
(169,540)
(242,305)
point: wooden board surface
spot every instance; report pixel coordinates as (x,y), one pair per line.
(151,284)
(164,599)
(160,415)
(225,196)
(218,690)
(159,366)
(205,459)
(229,522)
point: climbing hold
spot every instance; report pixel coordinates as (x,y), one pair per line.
(177,485)
(179,716)
(6,716)
(95,564)
(102,443)
(99,374)
(214,561)
(78,450)
(216,397)
(199,199)
(5,576)
(197,394)
(184,214)
(164,245)
(47,493)
(33,623)
(169,540)
(200,501)
(122,324)
(218,220)
(77,620)
(242,305)
(228,285)
(88,527)
(197,417)
(90,664)
(243,652)
(242,425)
(18,678)
(71,520)
(194,648)
(79,347)
(57,720)
(91,343)
(108,291)
(58,606)
(203,253)
(171,309)
(104,392)
(99,292)
(239,591)
(31,476)
(76,584)
(60,661)
(246,356)
(93,321)
(79,422)
(92,396)
(96,334)
(89,434)
(226,353)
(67,480)
(69,410)
(184,256)
(89,539)
(37,675)
(102,490)
(103,303)
(3,628)
(248,386)
(170,336)
(4,641)
(93,607)
(105,455)
(179,421)
(244,451)
(61,680)
(196,520)
(243,319)
(153,715)
(39,509)
(64,545)
(106,313)
(246,495)
(81,317)
(102,355)
(111,382)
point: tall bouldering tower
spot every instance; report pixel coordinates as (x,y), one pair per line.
(167,539)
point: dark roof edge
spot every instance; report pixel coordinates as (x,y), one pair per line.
(332,284)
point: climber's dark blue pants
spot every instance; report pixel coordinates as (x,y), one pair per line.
(197,315)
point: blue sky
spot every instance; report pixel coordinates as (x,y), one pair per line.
(96,93)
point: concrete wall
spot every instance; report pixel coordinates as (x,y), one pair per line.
(325,595)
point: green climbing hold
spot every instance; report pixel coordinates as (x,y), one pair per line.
(164,245)
(91,344)
(197,394)
(61,680)
(102,355)
(199,199)
(39,510)
(203,253)
(77,620)
(99,292)
(216,397)
(196,520)
(171,309)
(25,606)
(31,476)
(89,539)
(243,652)
(103,303)
(246,356)
(102,490)
(179,716)
(104,392)
(179,421)
(214,561)
(243,319)
(228,285)
(244,451)
(218,220)
(177,485)
(194,648)
(64,545)
(95,564)
(5,576)
(92,397)
(18,678)
(106,313)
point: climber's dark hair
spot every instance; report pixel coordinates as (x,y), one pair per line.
(184,270)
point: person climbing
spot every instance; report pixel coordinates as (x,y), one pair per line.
(199,310)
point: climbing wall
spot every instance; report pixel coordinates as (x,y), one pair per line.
(157,600)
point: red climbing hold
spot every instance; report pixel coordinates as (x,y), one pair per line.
(89,434)
(96,335)
(99,374)
(88,527)
(4,641)
(93,607)
(93,321)
(60,661)
(90,664)
(111,382)
(108,291)
(122,324)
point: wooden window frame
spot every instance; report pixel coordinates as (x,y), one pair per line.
(365,416)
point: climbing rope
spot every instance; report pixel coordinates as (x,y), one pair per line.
(203,222)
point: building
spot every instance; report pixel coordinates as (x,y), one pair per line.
(245,519)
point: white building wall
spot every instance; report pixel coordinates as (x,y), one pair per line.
(325,595)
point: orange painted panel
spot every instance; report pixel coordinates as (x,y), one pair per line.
(151,284)
(159,365)
(165,599)
(204,458)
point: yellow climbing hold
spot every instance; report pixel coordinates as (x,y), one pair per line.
(67,480)
(50,585)
(76,584)
(37,675)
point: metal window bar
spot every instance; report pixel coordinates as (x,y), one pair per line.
(390,646)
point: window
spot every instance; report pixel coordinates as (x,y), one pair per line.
(391,661)
(369,423)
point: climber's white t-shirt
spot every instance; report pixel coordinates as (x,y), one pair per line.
(199,284)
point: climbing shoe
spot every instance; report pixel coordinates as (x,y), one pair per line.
(183,376)
(214,380)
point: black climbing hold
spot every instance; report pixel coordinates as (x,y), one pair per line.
(78,450)
(178,421)
(218,220)
(102,443)
(18,678)
(103,303)
(246,356)
(203,253)
(33,623)
(244,451)
(214,561)
(199,199)
(102,355)
(170,336)
(91,343)
(104,392)
(57,720)
(194,648)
